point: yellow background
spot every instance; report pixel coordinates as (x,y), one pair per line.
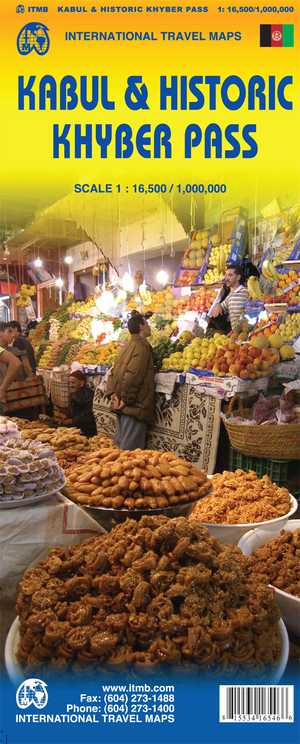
(27,165)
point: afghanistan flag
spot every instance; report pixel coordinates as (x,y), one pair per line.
(277,35)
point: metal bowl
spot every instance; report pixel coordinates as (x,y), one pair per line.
(108,517)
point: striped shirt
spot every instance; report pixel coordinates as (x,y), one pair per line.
(234,304)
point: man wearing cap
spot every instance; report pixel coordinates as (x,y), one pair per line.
(81,404)
(131,386)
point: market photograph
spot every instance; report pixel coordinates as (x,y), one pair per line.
(150,437)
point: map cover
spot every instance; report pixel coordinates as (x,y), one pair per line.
(135,124)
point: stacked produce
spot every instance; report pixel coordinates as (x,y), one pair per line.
(269,271)
(58,353)
(40,333)
(222,355)
(82,331)
(290,298)
(161,330)
(45,357)
(81,308)
(254,289)
(68,328)
(156,302)
(72,352)
(274,344)
(199,301)
(142,479)
(286,279)
(217,263)
(290,327)
(278,563)
(52,354)
(266,327)
(196,252)
(241,498)
(162,302)
(286,288)
(199,354)
(163,346)
(92,353)
(39,351)
(54,330)
(67,352)
(28,470)
(187,278)
(56,337)
(147,594)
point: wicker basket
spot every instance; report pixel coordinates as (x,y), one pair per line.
(276,441)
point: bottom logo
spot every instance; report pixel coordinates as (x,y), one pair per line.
(32,692)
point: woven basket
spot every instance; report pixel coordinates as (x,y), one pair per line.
(275,441)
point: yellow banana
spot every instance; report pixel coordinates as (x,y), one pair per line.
(274,273)
(254,288)
(266,271)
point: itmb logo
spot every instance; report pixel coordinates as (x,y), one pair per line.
(32,692)
(33,37)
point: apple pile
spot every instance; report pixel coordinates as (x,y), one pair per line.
(223,356)
(199,301)
(245,360)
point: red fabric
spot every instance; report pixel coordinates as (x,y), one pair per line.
(8,289)
(276,35)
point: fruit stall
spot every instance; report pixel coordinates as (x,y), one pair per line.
(196,372)
(198,369)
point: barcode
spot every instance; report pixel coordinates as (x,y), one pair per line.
(251,704)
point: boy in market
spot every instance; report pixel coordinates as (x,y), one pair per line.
(81,404)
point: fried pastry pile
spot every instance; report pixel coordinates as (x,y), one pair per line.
(242,498)
(155,592)
(141,479)
(278,562)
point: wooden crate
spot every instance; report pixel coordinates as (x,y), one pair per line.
(27,394)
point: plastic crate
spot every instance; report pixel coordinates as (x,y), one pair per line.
(278,470)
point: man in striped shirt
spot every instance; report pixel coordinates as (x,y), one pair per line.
(233,307)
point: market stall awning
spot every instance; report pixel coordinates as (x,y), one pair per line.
(44,235)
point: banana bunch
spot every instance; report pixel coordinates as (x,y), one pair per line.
(269,271)
(145,295)
(254,289)
(224,253)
